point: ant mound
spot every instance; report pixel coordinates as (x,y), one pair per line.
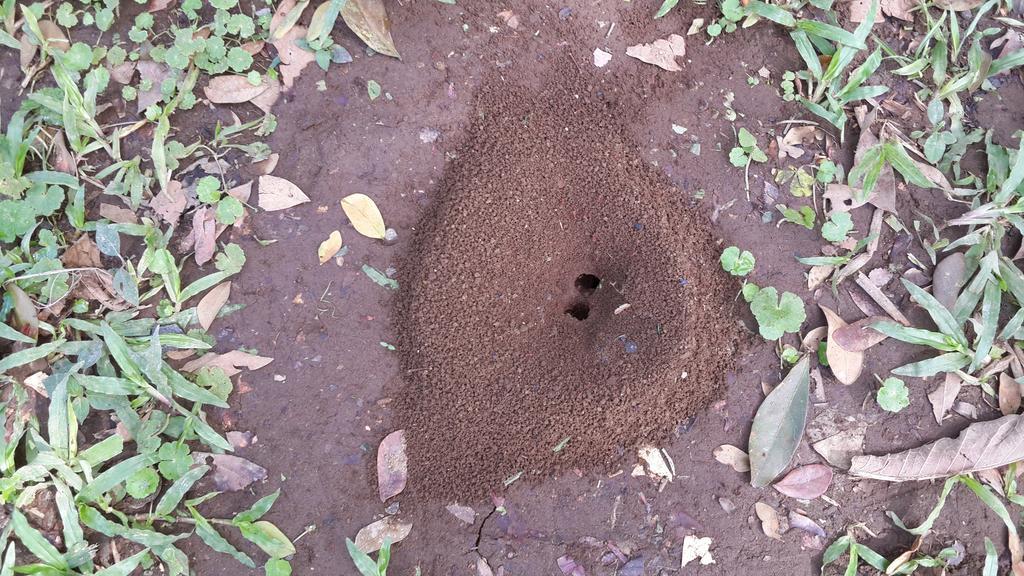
(561,304)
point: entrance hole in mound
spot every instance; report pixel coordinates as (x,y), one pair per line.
(586,284)
(579,310)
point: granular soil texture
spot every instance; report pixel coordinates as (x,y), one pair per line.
(558,287)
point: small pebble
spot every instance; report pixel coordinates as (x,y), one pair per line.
(564,13)
(390,236)
(630,347)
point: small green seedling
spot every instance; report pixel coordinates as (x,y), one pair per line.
(735,262)
(893,396)
(741,156)
(790,354)
(837,228)
(775,315)
(366,565)
(788,86)
(802,217)
(228,208)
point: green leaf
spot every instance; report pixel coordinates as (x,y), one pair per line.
(362,560)
(918,336)
(208,189)
(989,323)
(96,521)
(379,278)
(772,12)
(802,184)
(258,509)
(893,396)
(896,155)
(925,368)
(991,559)
(776,316)
(373,89)
(175,460)
(117,474)
(926,526)
(666,6)
(940,314)
(778,425)
(806,50)
(277,567)
(746,139)
(837,227)
(214,540)
(102,451)
(830,32)
(736,263)
(23,357)
(126,566)
(738,157)
(172,497)
(34,541)
(229,210)
(268,537)
(8,333)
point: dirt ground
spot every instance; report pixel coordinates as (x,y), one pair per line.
(320,409)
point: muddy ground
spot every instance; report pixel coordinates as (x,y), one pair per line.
(328,398)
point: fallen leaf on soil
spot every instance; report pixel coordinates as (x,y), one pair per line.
(293,58)
(242,192)
(369,20)
(279,194)
(1012,42)
(697,548)
(881,299)
(365,216)
(285,16)
(601,58)
(204,234)
(61,158)
(662,52)
(796,136)
(567,564)
(859,11)
(806,482)
(509,18)
(904,557)
(948,279)
(943,397)
(98,286)
(842,198)
(158,5)
(239,439)
(1009,394)
(657,463)
(770,523)
(118,214)
(211,303)
(54,37)
(464,513)
(858,337)
(170,202)
(82,254)
(958,5)
(233,89)
(328,248)
(846,365)
(231,473)
(778,425)
(810,342)
(994,479)
(732,456)
(981,446)
(266,100)
(840,448)
(155,73)
(818,274)
(392,465)
(884,193)
(801,522)
(370,538)
(27,52)
(230,362)
(483,568)
(266,166)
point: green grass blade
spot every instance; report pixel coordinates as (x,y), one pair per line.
(926,526)
(991,559)
(126,566)
(36,543)
(989,322)
(117,474)
(806,50)
(830,32)
(23,357)
(214,540)
(362,560)
(666,7)
(773,13)
(912,335)
(8,333)
(940,315)
(948,362)
(170,500)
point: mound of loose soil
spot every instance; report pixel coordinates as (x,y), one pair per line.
(558,287)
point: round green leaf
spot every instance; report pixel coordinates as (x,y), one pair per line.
(142,483)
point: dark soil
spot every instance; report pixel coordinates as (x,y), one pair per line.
(559,287)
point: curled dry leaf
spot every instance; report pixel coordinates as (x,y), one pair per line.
(981,446)
(818,274)
(279,194)
(155,73)
(810,342)
(328,248)
(392,465)
(204,234)
(806,482)
(369,20)
(233,89)
(801,522)
(170,202)
(845,364)
(732,456)
(231,473)
(658,463)
(1009,394)
(293,58)
(27,52)
(211,303)
(266,166)
(943,397)
(771,524)
(662,52)
(778,425)
(697,548)
(463,513)
(365,216)
(230,362)
(54,37)
(370,538)
(858,337)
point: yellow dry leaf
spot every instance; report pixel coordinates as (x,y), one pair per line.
(328,248)
(846,365)
(365,216)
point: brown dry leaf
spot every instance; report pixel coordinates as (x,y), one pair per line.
(994,479)
(904,557)
(806,482)
(27,52)
(53,36)
(771,524)
(267,99)
(170,203)
(818,274)
(392,465)
(845,364)
(1009,394)
(365,217)
(509,18)
(370,538)
(958,5)
(98,286)
(859,11)
(122,73)
(233,89)
(880,298)
(840,448)
(981,446)
(266,166)
(943,397)
(901,9)
(242,192)
(732,456)
(801,522)
(82,254)
(797,136)
(662,52)
(279,194)
(328,248)
(369,20)
(204,234)
(118,214)
(464,513)
(810,342)
(253,47)
(158,5)
(155,73)
(293,58)
(842,198)
(231,473)
(61,158)
(211,303)
(858,337)
(230,362)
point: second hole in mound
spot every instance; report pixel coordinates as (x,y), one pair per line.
(586,284)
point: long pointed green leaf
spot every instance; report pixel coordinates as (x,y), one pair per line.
(170,500)
(126,566)
(989,323)
(29,355)
(34,541)
(117,474)
(949,362)
(214,540)
(926,526)
(940,315)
